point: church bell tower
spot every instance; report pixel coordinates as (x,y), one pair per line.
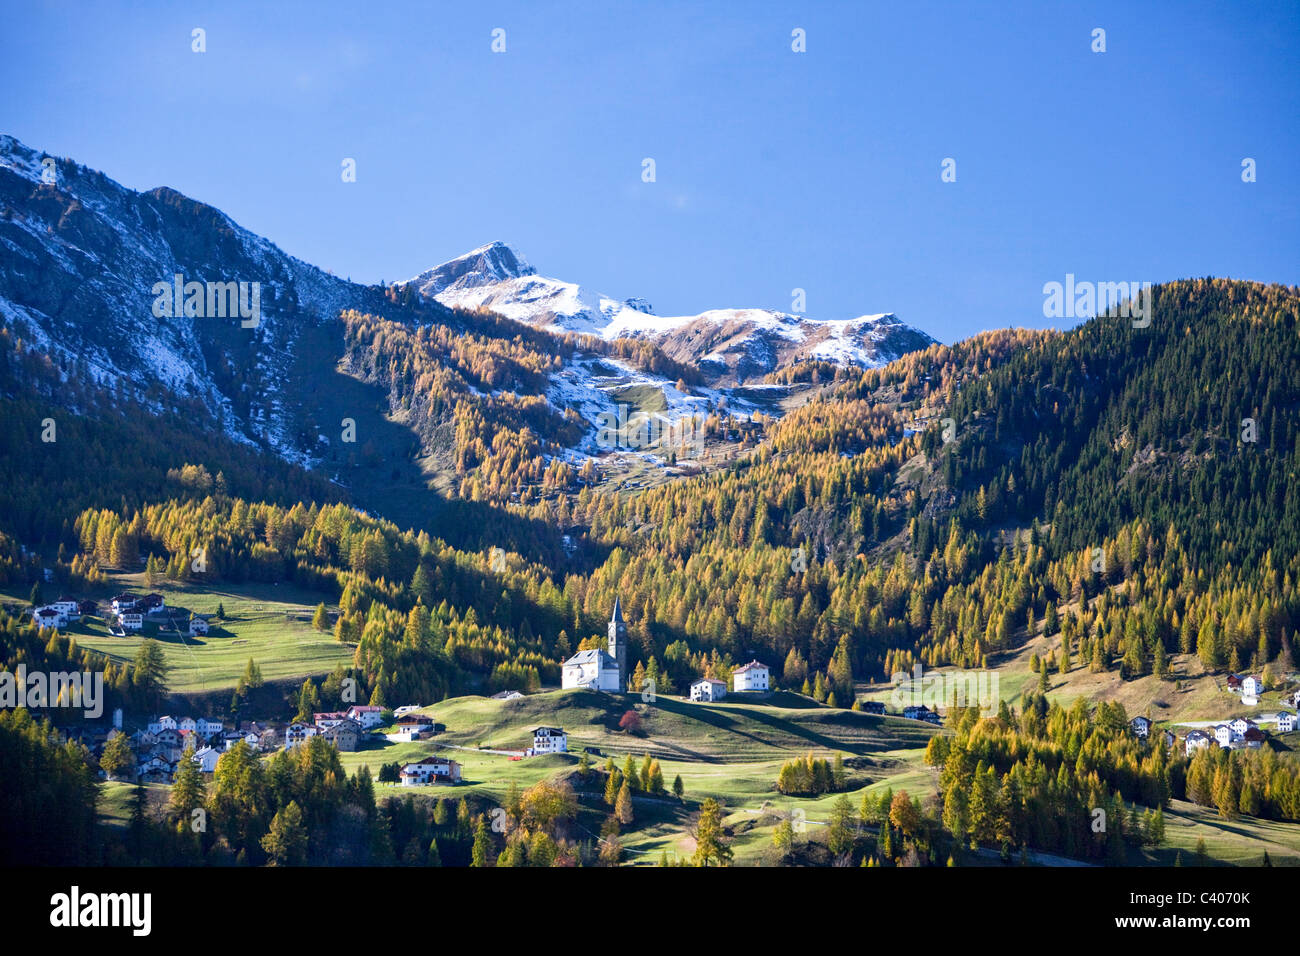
(618,644)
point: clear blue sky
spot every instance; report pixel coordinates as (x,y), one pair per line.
(775,170)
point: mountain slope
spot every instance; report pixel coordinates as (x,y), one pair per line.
(79,260)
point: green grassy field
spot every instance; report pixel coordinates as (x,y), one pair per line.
(731,751)
(269,623)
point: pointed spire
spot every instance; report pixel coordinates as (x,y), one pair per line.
(617,616)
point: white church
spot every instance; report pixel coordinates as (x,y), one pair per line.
(597,669)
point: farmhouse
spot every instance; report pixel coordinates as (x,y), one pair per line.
(345,735)
(1196,740)
(68,607)
(1285,722)
(164,722)
(1241,725)
(922,712)
(708,689)
(1224,735)
(873,706)
(298,733)
(207,759)
(366,715)
(751,678)
(597,669)
(1251,686)
(411,727)
(550,740)
(430,770)
(1253,738)
(131,620)
(48,617)
(1141,727)
(123,602)
(507,695)
(324,721)
(198,626)
(156,769)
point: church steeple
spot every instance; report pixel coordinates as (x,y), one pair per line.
(618,644)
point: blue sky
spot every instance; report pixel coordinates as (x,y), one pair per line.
(775,169)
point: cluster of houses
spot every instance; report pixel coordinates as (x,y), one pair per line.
(751,678)
(1249,686)
(127,613)
(59,613)
(130,610)
(1241,733)
(162,743)
(345,729)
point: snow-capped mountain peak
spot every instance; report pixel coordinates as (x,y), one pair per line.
(735,344)
(496,262)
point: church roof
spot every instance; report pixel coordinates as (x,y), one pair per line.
(595,655)
(617,616)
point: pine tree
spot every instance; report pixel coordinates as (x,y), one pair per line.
(286,842)
(623,805)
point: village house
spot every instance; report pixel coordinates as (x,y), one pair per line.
(922,712)
(1224,735)
(430,770)
(873,706)
(1251,686)
(169,739)
(1196,740)
(1285,721)
(156,769)
(187,725)
(1240,725)
(1141,727)
(86,607)
(165,722)
(131,621)
(48,617)
(209,727)
(152,604)
(751,678)
(325,720)
(408,708)
(550,740)
(1295,699)
(366,715)
(507,695)
(198,626)
(708,689)
(68,607)
(232,737)
(1253,738)
(411,727)
(1169,738)
(298,733)
(207,759)
(123,602)
(345,735)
